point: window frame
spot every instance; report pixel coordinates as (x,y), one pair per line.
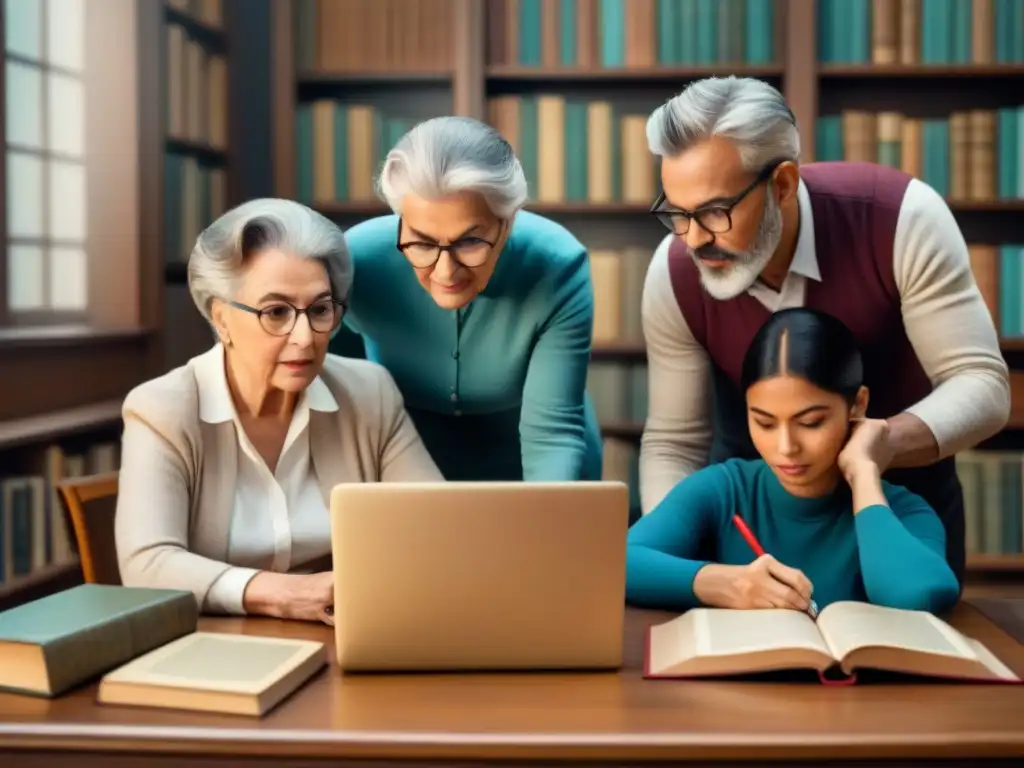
(46,316)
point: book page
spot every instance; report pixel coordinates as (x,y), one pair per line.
(224,662)
(849,626)
(729,633)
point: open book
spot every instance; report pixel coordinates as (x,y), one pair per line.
(709,642)
(211,672)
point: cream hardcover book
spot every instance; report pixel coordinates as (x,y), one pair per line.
(714,642)
(210,672)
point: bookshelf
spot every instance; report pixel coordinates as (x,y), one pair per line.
(560,58)
(193,132)
(39,553)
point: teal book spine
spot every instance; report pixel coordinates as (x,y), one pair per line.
(859,12)
(567,46)
(341,151)
(1007,136)
(304,153)
(760,18)
(688,40)
(826,49)
(1010,276)
(576,149)
(173,251)
(829,138)
(1004,13)
(613,41)
(1013,505)
(707,32)
(1019,149)
(962,26)
(668,31)
(936,155)
(529,32)
(528,141)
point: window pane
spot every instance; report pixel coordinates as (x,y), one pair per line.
(67,114)
(69,280)
(24,104)
(65,42)
(25,278)
(67,201)
(23,28)
(24,195)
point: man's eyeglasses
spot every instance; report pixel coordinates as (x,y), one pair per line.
(470,252)
(715,219)
(279,319)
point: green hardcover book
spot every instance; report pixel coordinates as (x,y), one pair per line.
(55,643)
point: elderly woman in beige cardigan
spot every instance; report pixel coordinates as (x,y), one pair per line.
(229,461)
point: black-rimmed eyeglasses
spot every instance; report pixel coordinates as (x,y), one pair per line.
(279,319)
(470,252)
(716,219)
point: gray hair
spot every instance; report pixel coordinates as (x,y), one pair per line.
(215,266)
(745,110)
(445,155)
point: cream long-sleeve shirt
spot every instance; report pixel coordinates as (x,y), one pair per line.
(945,317)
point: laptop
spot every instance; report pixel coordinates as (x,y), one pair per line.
(464,576)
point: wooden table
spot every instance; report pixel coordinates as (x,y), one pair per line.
(605,719)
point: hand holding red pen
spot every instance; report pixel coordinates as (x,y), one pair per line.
(764,583)
(790,578)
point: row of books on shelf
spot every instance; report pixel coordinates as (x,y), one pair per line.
(194,196)
(373,35)
(971,155)
(588,153)
(937,32)
(618,283)
(209,12)
(34,530)
(197,91)
(993,483)
(631,33)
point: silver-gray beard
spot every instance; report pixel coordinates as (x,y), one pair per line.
(729,282)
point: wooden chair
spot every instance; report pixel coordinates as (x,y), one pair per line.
(90,503)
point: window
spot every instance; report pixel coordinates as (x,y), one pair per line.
(44,259)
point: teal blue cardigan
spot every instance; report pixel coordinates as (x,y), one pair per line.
(496,389)
(888,554)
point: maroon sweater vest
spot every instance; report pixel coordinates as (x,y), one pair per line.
(856,207)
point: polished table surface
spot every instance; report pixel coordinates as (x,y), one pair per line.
(613,717)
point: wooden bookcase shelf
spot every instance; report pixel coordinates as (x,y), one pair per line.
(324,77)
(923,72)
(200,151)
(39,583)
(52,426)
(674,76)
(212,38)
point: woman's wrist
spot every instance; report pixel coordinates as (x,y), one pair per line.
(865,481)
(713,585)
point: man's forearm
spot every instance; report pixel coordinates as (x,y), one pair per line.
(911,441)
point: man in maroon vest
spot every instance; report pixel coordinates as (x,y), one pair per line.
(754,232)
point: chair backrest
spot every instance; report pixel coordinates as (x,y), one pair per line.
(90,503)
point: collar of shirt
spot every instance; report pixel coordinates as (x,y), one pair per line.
(805,258)
(216,405)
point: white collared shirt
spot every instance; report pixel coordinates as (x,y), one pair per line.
(803,267)
(279,519)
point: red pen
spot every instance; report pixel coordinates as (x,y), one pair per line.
(751,539)
(748,534)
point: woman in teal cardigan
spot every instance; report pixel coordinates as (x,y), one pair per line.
(481,312)
(830,527)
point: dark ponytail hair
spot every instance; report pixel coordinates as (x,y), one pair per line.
(811,345)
